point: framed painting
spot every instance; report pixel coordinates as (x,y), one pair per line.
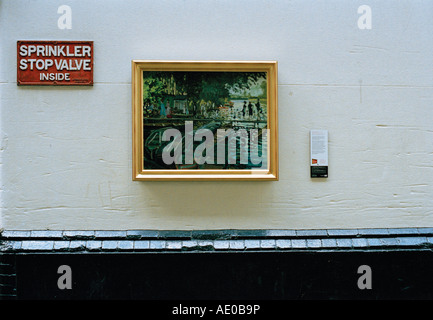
(204,120)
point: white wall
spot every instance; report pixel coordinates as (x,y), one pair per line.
(65,155)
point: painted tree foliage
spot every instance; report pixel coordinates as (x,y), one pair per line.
(197,86)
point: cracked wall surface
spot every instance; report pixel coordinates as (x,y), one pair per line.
(65,153)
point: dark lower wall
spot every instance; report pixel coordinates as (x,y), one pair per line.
(221,265)
(226,276)
(8,277)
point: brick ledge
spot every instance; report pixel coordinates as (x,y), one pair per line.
(14,241)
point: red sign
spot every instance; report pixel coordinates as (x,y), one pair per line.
(55,62)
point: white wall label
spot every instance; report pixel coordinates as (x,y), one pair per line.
(319,153)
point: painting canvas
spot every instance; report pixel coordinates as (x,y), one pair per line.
(204,120)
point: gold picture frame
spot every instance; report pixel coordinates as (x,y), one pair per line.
(179,106)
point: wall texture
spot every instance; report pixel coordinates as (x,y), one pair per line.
(65,153)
